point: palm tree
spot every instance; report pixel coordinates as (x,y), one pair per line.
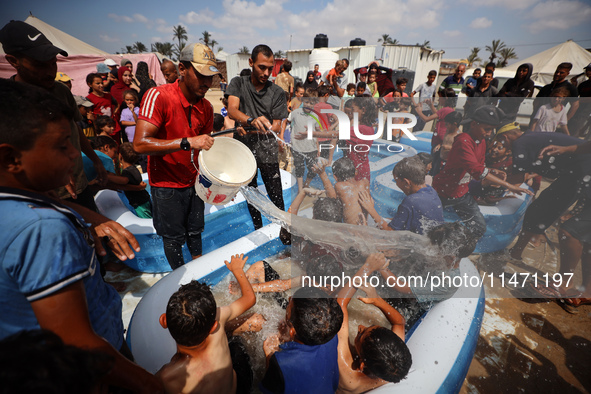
(506,55)
(128,49)
(386,39)
(220,49)
(212,44)
(495,48)
(180,33)
(473,58)
(140,47)
(426,44)
(279,54)
(206,38)
(164,48)
(244,51)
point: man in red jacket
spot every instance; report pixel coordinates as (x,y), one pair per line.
(466,162)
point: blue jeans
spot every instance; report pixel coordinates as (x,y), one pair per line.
(468,210)
(178,218)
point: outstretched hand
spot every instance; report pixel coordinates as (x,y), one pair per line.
(119,239)
(365,200)
(376,261)
(236,263)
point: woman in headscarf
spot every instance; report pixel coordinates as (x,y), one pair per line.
(124,82)
(310,82)
(143,77)
(516,90)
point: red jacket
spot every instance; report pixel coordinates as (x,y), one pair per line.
(465,162)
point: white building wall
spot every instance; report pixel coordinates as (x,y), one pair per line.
(414,58)
(235,63)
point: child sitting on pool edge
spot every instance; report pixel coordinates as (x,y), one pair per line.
(205,360)
(382,355)
(306,361)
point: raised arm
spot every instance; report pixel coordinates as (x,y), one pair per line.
(248,299)
(393,316)
(145,141)
(374,262)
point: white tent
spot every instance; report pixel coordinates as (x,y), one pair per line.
(545,62)
(82,58)
(62,40)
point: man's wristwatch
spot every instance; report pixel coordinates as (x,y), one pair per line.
(185,144)
(249,121)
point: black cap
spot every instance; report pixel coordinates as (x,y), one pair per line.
(487,114)
(18,37)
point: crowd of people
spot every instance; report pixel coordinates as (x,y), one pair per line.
(57,150)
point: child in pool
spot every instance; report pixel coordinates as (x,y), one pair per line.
(358,149)
(205,360)
(347,189)
(454,242)
(381,356)
(420,207)
(303,357)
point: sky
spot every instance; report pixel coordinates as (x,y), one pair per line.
(529,26)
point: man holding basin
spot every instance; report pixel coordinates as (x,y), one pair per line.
(175,119)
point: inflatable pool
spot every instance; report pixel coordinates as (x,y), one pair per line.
(422,143)
(442,343)
(223,224)
(503,220)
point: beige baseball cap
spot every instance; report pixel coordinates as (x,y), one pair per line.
(201,57)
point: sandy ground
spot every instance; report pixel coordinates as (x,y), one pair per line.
(525,345)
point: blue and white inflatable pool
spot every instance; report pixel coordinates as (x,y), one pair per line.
(223,224)
(503,220)
(442,344)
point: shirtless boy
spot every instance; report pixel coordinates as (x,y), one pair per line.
(347,189)
(203,362)
(370,369)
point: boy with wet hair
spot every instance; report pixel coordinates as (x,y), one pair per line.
(303,358)
(454,242)
(420,208)
(347,189)
(381,354)
(205,360)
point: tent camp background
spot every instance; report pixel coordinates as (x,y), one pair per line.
(545,62)
(82,58)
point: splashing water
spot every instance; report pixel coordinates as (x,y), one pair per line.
(351,240)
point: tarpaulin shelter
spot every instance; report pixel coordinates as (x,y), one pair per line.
(82,57)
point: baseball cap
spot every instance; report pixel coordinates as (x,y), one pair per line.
(20,37)
(363,71)
(487,114)
(62,77)
(80,100)
(110,62)
(201,57)
(587,67)
(102,68)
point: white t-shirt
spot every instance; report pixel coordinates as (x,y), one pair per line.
(299,124)
(425,92)
(548,119)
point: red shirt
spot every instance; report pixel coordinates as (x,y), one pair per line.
(167,108)
(360,152)
(440,128)
(102,105)
(465,162)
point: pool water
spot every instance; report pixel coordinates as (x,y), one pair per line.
(359,313)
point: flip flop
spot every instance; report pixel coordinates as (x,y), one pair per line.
(571,304)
